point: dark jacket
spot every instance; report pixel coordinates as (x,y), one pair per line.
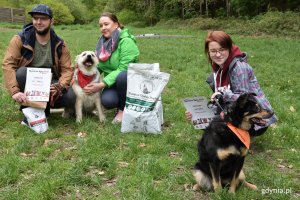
(20,52)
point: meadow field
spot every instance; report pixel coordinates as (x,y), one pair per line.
(94,161)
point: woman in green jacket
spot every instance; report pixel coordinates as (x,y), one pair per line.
(115,49)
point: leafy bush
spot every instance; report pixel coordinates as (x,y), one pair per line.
(61,12)
(151,16)
(114,6)
(278,23)
(204,23)
(138,24)
(79,11)
(169,11)
(126,16)
(272,23)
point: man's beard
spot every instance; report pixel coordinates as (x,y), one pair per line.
(43,32)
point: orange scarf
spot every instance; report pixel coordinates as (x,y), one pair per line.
(241,134)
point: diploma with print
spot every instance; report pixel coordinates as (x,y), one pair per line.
(202,115)
(37,87)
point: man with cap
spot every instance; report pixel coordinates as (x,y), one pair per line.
(37,45)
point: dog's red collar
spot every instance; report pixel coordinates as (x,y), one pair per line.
(241,134)
(83,79)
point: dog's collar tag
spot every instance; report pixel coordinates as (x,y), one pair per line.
(241,134)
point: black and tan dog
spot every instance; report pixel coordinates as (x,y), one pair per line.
(224,145)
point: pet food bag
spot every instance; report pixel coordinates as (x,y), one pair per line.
(143,109)
(154,67)
(36,119)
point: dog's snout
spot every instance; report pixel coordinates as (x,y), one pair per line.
(266,114)
(89,56)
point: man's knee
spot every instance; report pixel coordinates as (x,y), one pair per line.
(70,98)
(66,100)
(21,72)
(21,76)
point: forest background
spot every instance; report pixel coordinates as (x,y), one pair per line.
(243,17)
(92,161)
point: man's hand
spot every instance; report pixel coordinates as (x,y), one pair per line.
(20,97)
(56,91)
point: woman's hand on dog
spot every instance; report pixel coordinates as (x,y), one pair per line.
(188,115)
(91,88)
(214,96)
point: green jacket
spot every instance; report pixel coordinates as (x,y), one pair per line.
(127,52)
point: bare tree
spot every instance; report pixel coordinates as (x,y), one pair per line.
(200,7)
(206,6)
(228,10)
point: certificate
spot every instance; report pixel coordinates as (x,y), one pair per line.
(201,114)
(37,87)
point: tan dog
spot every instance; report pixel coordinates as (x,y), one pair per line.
(86,72)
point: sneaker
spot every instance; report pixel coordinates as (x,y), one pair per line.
(118,117)
(24,122)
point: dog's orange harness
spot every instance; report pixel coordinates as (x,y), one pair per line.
(241,134)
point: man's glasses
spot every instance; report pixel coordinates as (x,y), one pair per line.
(215,51)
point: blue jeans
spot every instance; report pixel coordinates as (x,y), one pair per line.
(115,96)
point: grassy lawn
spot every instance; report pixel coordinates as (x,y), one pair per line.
(106,164)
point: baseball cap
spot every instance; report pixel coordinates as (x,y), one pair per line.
(41,9)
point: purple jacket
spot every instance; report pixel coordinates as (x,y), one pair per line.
(243,80)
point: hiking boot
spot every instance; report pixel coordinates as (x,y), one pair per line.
(25,122)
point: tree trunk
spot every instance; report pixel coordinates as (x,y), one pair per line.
(206,7)
(182,9)
(201,12)
(228,8)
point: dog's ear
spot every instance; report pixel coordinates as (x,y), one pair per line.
(242,100)
(252,93)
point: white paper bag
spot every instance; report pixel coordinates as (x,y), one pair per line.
(36,119)
(143,109)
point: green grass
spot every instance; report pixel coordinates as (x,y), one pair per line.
(109,165)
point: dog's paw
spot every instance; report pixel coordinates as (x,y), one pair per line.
(78,120)
(250,185)
(65,115)
(68,113)
(102,119)
(218,188)
(196,187)
(232,191)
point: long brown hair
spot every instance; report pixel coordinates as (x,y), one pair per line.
(220,37)
(113,17)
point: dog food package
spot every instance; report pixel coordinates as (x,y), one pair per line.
(143,109)
(36,119)
(153,67)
